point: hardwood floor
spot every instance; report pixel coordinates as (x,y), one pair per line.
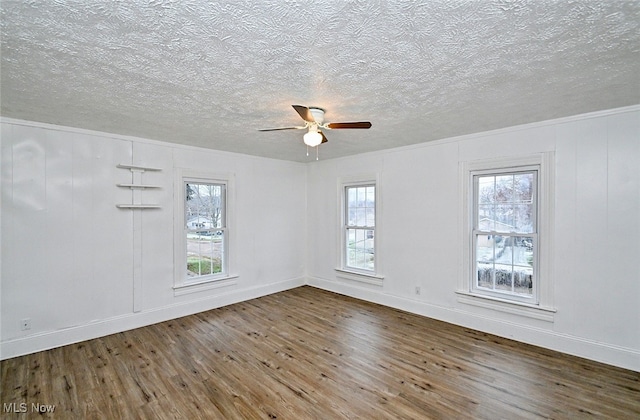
(310,354)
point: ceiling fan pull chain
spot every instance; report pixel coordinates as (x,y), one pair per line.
(307,150)
(316,152)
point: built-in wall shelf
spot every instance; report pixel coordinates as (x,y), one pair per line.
(136,185)
(138,206)
(137,167)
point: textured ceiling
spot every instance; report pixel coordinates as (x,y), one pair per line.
(211,73)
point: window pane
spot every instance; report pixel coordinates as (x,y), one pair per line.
(504,188)
(205,228)
(371,196)
(486,189)
(505,203)
(370,218)
(486,218)
(523,218)
(523,187)
(503,217)
(351,217)
(359,196)
(351,248)
(360,249)
(351,197)
(360,206)
(204,206)
(503,279)
(505,263)
(204,253)
(361,217)
(485,248)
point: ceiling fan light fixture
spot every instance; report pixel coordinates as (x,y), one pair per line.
(312,138)
(313,121)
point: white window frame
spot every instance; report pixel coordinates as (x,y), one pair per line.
(477,233)
(541,305)
(183,284)
(343,271)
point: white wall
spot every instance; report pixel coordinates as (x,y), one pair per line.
(596,224)
(71,259)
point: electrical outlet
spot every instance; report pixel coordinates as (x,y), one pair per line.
(417,290)
(25,324)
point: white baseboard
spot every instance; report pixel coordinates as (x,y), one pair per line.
(48,340)
(601,352)
(577,346)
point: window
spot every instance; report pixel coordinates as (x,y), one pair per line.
(508,235)
(205,229)
(359,227)
(203,253)
(359,230)
(504,236)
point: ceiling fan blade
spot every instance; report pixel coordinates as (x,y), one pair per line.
(361,124)
(324,139)
(304,113)
(282,128)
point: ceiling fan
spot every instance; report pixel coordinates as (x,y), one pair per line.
(313,121)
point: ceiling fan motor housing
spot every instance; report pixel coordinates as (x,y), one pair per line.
(318,114)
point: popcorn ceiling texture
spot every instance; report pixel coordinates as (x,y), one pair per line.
(211,73)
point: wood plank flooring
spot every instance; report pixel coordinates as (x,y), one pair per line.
(310,354)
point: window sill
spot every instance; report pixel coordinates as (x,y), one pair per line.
(518,308)
(208,284)
(359,276)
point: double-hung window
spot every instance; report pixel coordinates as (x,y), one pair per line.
(360,227)
(359,235)
(203,229)
(505,233)
(508,234)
